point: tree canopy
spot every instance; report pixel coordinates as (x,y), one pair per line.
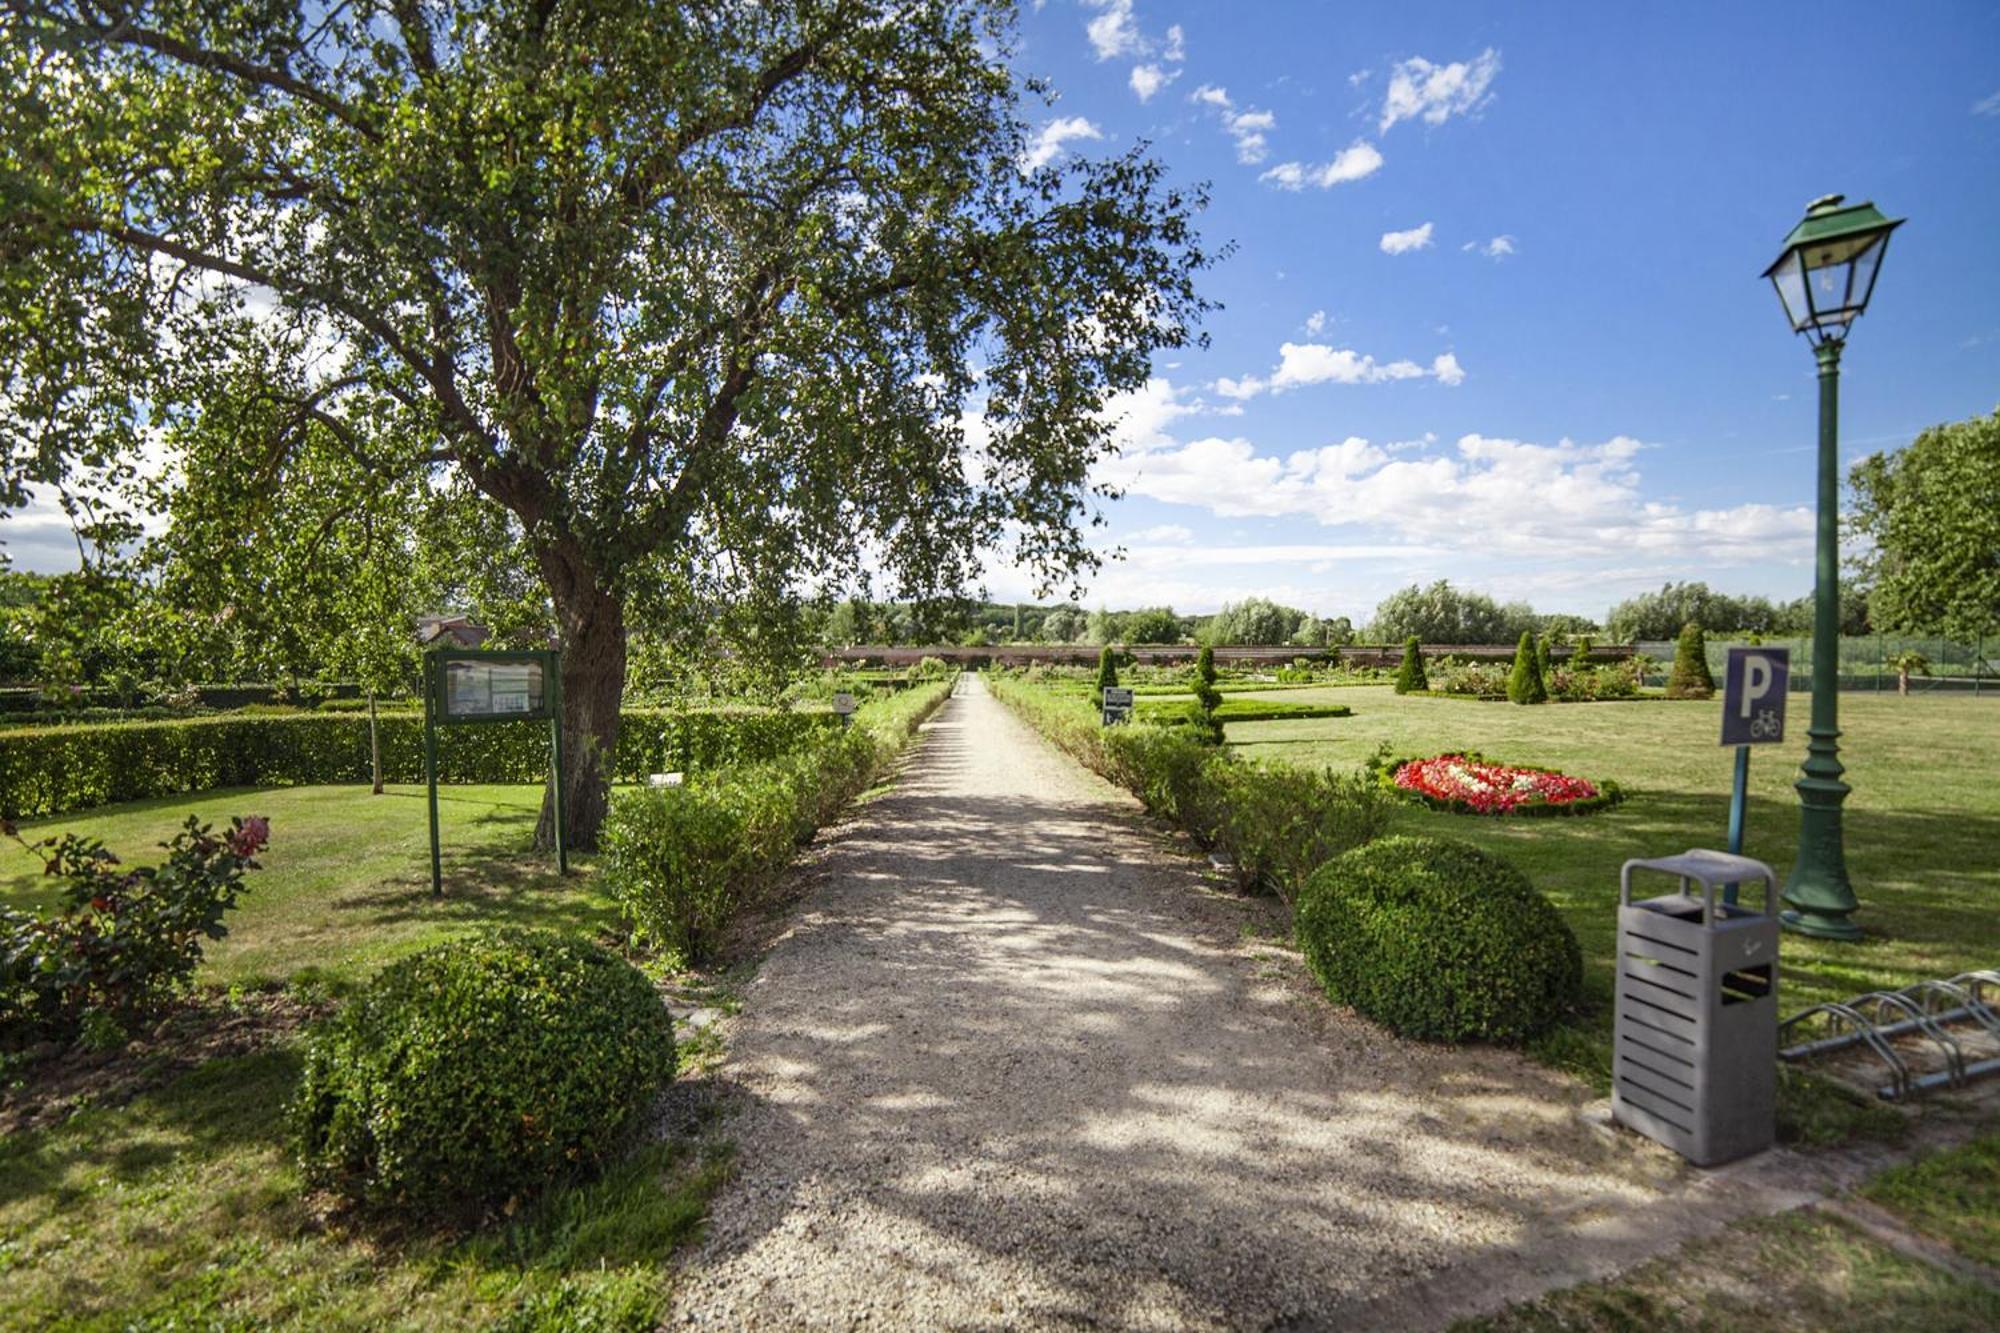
(1932,514)
(716,304)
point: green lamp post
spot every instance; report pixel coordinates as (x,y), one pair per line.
(1824,278)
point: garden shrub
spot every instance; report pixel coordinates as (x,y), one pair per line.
(55,770)
(1583,684)
(1477,680)
(1172,773)
(1438,940)
(124,942)
(1280,823)
(478,1072)
(681,861)
(1524,683)
(1107,675)
(1689,678)
(1410,677)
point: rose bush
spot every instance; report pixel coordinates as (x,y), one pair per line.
(124,941)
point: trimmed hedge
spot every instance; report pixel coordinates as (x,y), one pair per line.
(681,861)
(56,770)
(478,1072)
(1275,821)
(1438,940)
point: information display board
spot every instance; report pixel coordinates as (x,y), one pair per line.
(510,689)
(464,685)
(1117,704)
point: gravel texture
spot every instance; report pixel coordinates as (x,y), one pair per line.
(1019,1064)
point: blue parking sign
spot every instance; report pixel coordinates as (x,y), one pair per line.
(1753,695)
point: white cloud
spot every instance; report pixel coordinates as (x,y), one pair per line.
(1049,143)
(1315,322)
(1113,32)
(1402,242)
(1489,496)
(1246,127)
(1172,534)
(1176,44)
(1149,79)
(1436,93)
(1497,248)
(1352,163)
(1989,106)
(1302,364)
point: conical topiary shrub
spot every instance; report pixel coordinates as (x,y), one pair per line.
(1411,679)
(1524,683)
(1542,650)
(1107,674)
(1206,696)
(1689,678)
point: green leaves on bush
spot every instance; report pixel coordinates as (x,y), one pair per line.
(1274,821)
(682,860)
(1107,675)
(1439,940)
(1525,684)
(478,1072)
(1689,678)
(125,941)
(1410,676)
(55,770)
(1207,699)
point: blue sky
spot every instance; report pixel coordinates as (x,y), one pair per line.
(1604,397)
(1494,311)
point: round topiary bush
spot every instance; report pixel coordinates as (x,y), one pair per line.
(478,1071)
(1437,939)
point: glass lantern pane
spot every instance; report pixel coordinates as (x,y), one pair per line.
(1790,279)
(1866,265)
(1827,290)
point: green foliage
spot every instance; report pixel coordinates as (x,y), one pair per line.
(1931,512)
(1525,684)
(1690,678)
(1410,677)
(1587,684)
(1542,646)
(478,1072)
(123,941)
(55,770)
(1257,620)
(682,860)
(1660,615)
(1275,822)
(1107,675)
(1444,614)
(1438,940)
(1207,699)
(1153,624)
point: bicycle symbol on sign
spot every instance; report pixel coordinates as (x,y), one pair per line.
(1767,725)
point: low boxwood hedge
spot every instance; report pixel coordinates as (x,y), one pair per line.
(478,1072)
(1439,940)
(56,770)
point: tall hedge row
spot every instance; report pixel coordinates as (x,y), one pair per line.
(56,770)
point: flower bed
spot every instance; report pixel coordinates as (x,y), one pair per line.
(1471,784)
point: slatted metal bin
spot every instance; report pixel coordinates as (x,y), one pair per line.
(1695,1055)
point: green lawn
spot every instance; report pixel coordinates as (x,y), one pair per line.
(1923,824)
(346,881)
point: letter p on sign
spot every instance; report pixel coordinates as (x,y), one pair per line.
(1753,696)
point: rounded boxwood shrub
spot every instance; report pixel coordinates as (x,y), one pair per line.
(478,1071)
(1437,939)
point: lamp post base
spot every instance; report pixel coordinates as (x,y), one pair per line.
(1823,925)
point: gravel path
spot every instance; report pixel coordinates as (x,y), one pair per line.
(1017,1064)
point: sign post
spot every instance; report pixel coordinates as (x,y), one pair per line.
(844,704)
(1117,704)
(1754,688)
(475,685)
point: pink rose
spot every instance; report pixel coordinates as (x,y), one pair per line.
(249,837)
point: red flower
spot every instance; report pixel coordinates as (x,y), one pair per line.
(1489,789)
(249,837)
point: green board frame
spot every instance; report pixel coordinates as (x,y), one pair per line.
(437,713)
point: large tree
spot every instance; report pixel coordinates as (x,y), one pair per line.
(701,295)
(1932,515)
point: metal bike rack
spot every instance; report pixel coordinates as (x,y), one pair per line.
(1936,1018)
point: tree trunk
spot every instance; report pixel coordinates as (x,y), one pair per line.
(1902,681)
(374,744)
(593,686)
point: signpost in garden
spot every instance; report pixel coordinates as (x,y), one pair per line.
(477,685)
(1117,704)
(844,704)
(1753,713)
